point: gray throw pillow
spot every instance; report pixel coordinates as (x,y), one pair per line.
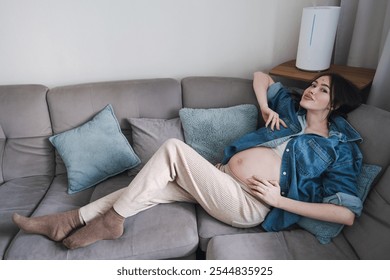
(149,134)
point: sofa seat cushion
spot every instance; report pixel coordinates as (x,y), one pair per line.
(165,231)
(283,245)
(22,196)
(208,227)
(162,232)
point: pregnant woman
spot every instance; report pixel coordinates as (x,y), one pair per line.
(307,151)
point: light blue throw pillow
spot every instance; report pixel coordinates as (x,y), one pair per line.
(325,231)
(209,131)
(94,151)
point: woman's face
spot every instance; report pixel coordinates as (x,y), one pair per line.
(317,96)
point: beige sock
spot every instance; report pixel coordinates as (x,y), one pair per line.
(56,226)
(106,227)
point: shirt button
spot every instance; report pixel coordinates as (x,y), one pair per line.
(283,193)
(284,173)
(287,150)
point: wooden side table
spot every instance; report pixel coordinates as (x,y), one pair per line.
(360,77)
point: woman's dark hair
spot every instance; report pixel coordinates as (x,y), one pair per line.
(344,96)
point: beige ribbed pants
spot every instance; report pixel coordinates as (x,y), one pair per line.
(176,172)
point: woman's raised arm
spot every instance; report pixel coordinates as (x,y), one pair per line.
(261,82)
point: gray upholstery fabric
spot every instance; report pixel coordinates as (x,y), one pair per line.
(284,245)
(71,106)
(22,196)
(217,92)
(369,236)
(26,156)
(208,227)
(25,120)
(372,124)
(149,134)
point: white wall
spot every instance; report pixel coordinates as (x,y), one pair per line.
(60,42)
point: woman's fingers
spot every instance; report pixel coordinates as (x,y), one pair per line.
(262,184)
(267,191)
(283,123)
(258,183)
(274,121)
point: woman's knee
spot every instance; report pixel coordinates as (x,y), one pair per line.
(173,143)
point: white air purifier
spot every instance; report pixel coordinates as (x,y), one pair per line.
(316,38)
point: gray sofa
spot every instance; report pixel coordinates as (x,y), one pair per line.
(33,178)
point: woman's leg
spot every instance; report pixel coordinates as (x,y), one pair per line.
(175,173)
(58,226)
(176,163)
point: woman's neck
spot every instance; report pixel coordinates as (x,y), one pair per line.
(317,124)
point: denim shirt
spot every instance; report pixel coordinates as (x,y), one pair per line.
(314,168)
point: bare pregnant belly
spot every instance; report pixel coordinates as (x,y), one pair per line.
(262,162)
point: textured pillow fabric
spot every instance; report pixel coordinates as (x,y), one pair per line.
(2,146)
(94,151)
(209,131)
(325,231)
(149,134)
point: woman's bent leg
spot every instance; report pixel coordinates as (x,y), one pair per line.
(178,173)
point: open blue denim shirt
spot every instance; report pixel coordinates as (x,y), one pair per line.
(314,168)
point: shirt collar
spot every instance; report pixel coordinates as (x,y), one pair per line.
(340,128)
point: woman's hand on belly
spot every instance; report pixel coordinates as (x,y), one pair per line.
(267,191)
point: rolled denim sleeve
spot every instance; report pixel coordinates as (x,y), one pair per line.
(273,90)
(351,202)
(341,179)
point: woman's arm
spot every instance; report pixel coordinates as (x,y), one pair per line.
(261,83)
(269,192)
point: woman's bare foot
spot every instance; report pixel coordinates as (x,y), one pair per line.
(56,226)
(106,227)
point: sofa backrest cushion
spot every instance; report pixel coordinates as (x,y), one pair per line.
(71,106)
(25,121)
(370,233)
(217,92)
(372,123)
(369,236)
